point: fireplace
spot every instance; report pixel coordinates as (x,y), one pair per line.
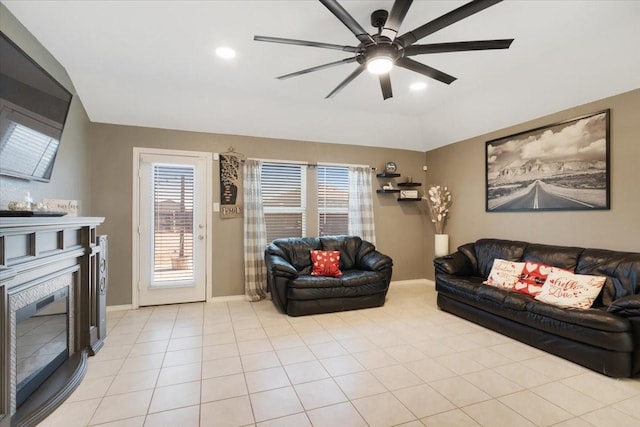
(40,320)
(42,341)
(53,283)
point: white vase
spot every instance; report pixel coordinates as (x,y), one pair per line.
(442,245)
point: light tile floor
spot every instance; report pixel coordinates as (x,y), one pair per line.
(407,363)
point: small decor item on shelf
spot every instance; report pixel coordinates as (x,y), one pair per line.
(390,167)
(388,186)
(409,194)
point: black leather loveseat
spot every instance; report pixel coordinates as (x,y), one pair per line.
(604,338)
(366,274)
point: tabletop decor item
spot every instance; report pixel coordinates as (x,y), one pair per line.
(439,200)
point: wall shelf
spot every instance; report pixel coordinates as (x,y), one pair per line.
(383,190)
(409,184)
(387,175)
(409,199)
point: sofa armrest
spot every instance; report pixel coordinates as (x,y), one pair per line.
(375,261)
(628,306)
(279,266)
(457,264)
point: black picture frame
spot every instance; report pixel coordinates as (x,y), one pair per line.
(563,166)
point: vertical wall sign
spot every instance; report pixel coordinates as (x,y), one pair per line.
(230,186)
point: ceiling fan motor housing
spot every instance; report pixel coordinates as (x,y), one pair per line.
(379,18)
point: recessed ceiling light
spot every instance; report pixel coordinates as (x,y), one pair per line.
(418,86)
(225,52)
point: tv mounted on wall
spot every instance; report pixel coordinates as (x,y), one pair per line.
(33,111)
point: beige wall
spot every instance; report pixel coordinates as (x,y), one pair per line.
(399,226)
(70,178)
(462,167)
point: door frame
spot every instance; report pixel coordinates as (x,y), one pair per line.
(135,217)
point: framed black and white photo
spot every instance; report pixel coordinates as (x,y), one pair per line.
(563,166)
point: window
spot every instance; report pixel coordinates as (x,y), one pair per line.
(333,200)
(173,203)
(283,195)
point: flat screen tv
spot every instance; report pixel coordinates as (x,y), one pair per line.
(33,111)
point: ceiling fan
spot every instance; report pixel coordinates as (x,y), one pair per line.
(379,52)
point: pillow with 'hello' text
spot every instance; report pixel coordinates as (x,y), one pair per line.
(565,289)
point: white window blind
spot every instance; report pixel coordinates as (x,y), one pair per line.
(173,203)
(333,200)
(283,196)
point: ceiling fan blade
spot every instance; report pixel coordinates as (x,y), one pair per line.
(445,20)
(385,85)
(353,49)
(346,81)
(420,49)
(396,16)
(348,20)
(425,70)
(317,68)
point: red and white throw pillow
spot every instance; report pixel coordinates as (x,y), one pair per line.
(533,277)
(504,274)
(326,263)
(565,289)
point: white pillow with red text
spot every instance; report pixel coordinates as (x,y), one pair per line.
(564,289)
(504,274)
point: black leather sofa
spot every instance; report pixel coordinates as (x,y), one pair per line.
(604,338)
(294,291)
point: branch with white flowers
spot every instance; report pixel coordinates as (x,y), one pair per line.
(439,201)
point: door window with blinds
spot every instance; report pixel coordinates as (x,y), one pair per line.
(284,199)
(333,200)
(173,209)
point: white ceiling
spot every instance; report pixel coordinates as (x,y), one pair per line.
(151,63)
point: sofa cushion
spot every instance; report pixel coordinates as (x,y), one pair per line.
(559,256)
(353,283)
(486,250)
(308,281)
(296,250)
(326,263)
(593,318)
(348,247)
(564,289)
(622,269)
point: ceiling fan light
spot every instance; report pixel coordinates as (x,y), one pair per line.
(418,86)
(225,52)
(379,65)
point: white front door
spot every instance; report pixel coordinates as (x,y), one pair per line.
(173,224)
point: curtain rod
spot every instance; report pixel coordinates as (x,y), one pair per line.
(311,165)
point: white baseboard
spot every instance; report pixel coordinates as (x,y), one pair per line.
(119,307)
(228,298)
(426,282)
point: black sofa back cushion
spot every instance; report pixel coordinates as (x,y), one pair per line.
(558,256)
(348,247)
(296,250)
(621,268)
(486,250)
